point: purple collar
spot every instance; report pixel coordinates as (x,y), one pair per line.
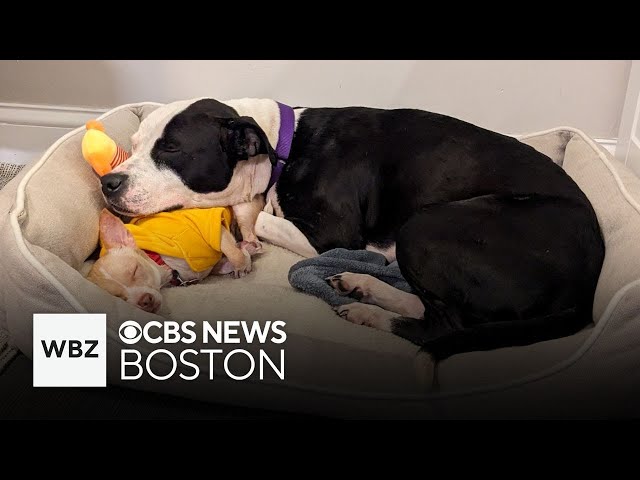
(285,137)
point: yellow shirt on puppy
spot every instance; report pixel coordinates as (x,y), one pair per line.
(193,234)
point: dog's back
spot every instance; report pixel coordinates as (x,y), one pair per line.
(500,244)
(372,169)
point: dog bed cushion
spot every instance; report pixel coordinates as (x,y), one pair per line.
(48,229)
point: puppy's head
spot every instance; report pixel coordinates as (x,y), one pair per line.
(126,271)
(182,152)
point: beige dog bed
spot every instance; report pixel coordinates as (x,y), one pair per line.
(48,229)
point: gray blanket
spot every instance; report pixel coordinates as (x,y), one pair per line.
(310,275)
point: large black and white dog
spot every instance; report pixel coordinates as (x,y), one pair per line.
(500,245)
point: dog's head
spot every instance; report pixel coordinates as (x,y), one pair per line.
(183,152)
(126,271)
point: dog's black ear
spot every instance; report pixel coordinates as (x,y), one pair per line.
(245,139)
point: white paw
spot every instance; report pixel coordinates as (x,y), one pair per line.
(355,285)
(368,315)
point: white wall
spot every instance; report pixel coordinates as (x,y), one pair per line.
(508,96)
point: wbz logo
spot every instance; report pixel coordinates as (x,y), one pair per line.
(75,348)
(69,350)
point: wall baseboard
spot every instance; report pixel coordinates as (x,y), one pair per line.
(46,115)
(608,143)
(54,116)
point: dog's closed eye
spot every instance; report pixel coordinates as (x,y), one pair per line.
(171,148)
(168,146)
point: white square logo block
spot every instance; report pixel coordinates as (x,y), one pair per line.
(69,350)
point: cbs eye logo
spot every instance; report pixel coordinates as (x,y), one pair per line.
(130,332)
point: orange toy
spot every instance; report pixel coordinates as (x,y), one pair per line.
(100,150)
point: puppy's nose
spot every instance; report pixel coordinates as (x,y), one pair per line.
(145,302)
(113,182)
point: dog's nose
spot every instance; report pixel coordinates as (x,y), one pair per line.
(146,302)
(113,182)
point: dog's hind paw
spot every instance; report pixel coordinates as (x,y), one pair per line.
(365,314)
(355,285)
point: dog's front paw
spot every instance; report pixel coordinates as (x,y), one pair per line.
(242,270)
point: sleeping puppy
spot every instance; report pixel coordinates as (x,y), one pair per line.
(188,245)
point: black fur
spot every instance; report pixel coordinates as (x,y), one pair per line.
(500,244)
(205,141)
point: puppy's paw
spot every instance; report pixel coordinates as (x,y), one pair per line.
(249,237)
(368,315)
(253,247)
(244,269)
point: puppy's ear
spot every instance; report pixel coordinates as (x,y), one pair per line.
(245,139)
(113,233)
